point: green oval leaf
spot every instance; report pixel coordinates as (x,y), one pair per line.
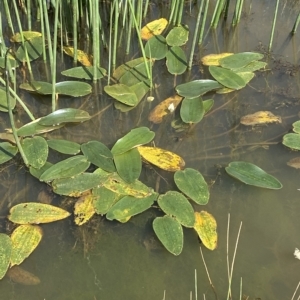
(251,67)
(292,140)
(192,184)
(7,152)
(176,60)
(36,213)
(170,233)
(66,168)
(239,60)
(73,88)
(36,151)
(178,36)
(5,253)
(192,110)
(63,146)
(34,49)
(64,115)
(252,175)
(76,185)
(130,206)
(121,70)
(99,155)
(122,93)
(83,72)
(175,204)
(207,105)
(156,47)
(25,239)
(3,101)
(136,74)
(296,126)
(136,137)
(40,87)
(197,88)
(129,165)
(38,172)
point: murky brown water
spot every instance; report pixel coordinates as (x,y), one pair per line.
(108,260)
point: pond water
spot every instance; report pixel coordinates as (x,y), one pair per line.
(110,260)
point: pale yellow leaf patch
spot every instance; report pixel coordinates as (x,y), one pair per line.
(84,208)
(162,109)
(155,27)
(260,117)
(82,57)
(213,59)
(27,35)
(206,227)
(161,158)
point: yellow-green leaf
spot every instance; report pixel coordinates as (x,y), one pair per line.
(25,239)
(213,59)
(27,35)
(84,209)
(5,253)
(161,158)
(82,57)
(260,117)
(153,28)
(36,213)
(206,227)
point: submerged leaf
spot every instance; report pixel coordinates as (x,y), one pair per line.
(21,276)
(252,175)
(36,213)
(206,227)
(260,117)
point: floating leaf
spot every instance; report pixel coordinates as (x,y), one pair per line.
(41,87)
(175,204)
(192,183)
(63,146)
(99,155)
(73,88)
(207,105)
(161,110)
(260,117)
(64,115)
(104,199)
(7,152)
(13,64)
(161,158)
(156,47)
(206,227)
(129,165)
(84,73)
(296,126)
(36,213)
(292,140)
(176,60)
(213,59)
(122,93)
(122,69)
(130,206)
(239,60)
(38,172)
(252,175)
(75,186)
(84,209)
(155,27)
(136,137)
(66,168)
(136,74)
(227,77)
(82,57)
(34,127)
(25,239)
(192,110)
(36,151)
(251,67)
(19,275)
(27,35)
(5,253)
(178,36)
(3,101)
(170,233)
(34,49)
(197,88)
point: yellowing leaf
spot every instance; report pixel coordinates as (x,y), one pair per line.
(155,27)
(84,209)
(28,35)
(82,57)
(206,227)
(213,59)
(163,108)
(260,117)
(25,239)
(161,158)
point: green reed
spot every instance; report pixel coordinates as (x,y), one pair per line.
(203,22)
(296,24)
(237,12)
(50,52)
(75,25)
(8,17)
(28,2)
(273,25)
(217,13)
(96,39)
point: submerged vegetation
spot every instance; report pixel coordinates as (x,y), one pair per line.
(106,180)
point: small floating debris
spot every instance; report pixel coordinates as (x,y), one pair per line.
(294,162)
(297,253)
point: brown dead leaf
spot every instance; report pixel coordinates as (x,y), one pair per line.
(260,117)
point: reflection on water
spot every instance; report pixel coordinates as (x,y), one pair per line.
(108,260)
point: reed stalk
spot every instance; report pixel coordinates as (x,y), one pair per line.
(195,36)
(110,42)
(237,12)
(203,22)
(146,8)
(180,12)
(8,17)
(226,9)
(116,26)
(96,42)
(273,25)
(45,11)
(130,25)
(296,24)
(75,25)
(176,8)
(28,2)
(11,117)
(217,13)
